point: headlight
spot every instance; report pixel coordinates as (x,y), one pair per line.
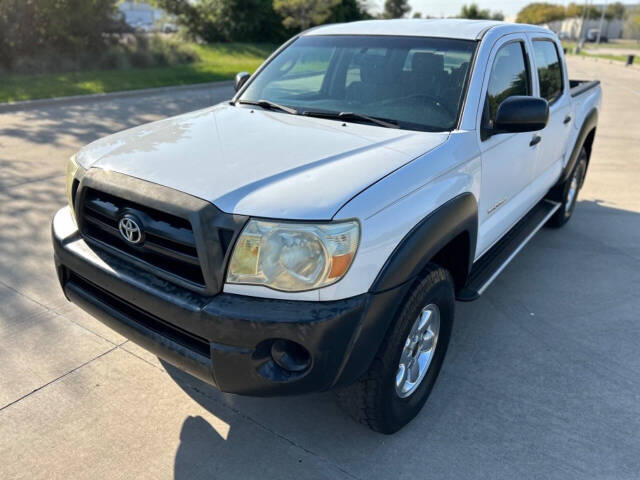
(293,256)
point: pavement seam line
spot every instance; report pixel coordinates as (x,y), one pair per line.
(33,180)
(56,313)
(56,379)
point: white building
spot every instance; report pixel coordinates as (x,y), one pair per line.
(572,28)
(140,14)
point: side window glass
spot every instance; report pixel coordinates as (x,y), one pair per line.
(549,69)
(509,77)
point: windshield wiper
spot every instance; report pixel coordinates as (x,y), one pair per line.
(270,105)
(383,122)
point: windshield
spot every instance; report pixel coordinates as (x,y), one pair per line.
(416,83)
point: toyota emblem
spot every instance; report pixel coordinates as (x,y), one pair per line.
(130,229)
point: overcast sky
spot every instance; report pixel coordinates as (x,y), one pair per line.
(452,7)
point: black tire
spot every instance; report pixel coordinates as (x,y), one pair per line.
(372,400)
(568,202)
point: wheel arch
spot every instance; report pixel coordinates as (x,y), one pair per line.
(585,138)
(447,237)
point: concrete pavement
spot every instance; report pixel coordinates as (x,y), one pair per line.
(542,379)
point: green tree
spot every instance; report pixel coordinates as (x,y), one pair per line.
(395,8)
(616,11)
(577,10)
(416,15)
(537,13)
(302,14)
(348,11)
(226,20)
(473,12)
(72,28)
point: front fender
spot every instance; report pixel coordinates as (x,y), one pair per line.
(456,216)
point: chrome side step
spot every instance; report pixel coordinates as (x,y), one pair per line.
(491,264)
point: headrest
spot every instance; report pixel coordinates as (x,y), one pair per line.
(426,62)
(373,69)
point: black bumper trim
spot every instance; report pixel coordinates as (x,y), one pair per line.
(225,339)
(160,345)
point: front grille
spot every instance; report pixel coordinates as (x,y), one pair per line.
(169,243)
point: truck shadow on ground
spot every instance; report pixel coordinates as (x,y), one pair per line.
(528,362)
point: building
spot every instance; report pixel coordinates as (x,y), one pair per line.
(141,14)
(574,28)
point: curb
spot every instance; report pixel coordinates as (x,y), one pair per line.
(96,97)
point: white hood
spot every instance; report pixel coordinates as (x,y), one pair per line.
(260,163)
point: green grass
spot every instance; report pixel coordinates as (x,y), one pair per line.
(605,56)
(586,53)
(217,62)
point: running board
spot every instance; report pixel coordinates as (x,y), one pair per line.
(488,267)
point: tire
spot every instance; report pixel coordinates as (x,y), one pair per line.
(569,192)
(374,400)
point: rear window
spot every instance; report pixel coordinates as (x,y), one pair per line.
(549,69)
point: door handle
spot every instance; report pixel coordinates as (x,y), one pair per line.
(535,140)
(567,119)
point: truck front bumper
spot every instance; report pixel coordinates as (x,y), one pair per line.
(226,340)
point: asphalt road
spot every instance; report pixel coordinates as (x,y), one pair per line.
(542,379)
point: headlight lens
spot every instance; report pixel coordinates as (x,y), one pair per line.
(293,256)
(72,169)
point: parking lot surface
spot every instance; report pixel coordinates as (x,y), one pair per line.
(542,378)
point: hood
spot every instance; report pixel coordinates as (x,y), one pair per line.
(260,163)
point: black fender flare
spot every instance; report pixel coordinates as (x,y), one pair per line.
(427,238)
(590,122)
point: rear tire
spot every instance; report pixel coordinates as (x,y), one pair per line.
(569,192)
(381,399)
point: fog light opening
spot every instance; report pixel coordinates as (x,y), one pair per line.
(290,356)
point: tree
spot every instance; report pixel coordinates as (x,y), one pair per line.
(577,10)
(537,13)
(416,15)
(52,28)
(302,14)
(348,11)
(395,8)
(616,11)
(473,12)
(226,20)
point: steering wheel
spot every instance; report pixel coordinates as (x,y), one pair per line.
(433,100)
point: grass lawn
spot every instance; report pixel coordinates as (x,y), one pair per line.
(217,62)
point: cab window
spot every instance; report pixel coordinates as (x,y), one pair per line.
(549,69)
(509,77)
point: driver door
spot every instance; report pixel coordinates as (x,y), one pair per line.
(508,159)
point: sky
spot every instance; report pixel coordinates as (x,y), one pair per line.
(452,7)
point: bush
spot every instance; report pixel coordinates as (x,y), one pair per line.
(34,30)
(120,52)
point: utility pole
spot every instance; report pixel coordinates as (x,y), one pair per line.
(584,12)
(604,7)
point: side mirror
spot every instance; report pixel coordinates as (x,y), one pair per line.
(521,114)
(241,79)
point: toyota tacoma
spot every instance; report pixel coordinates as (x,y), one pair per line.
(315,231)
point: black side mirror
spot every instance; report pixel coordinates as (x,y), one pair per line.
(521,114)
(241,79)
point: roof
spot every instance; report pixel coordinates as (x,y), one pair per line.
(443,28)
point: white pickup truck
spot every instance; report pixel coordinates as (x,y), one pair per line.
(315,232)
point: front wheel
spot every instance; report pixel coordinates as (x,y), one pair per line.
(396,386)
(570,190)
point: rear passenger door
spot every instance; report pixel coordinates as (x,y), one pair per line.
(508,159)
(552,86)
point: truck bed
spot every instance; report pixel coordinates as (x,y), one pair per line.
(578,87)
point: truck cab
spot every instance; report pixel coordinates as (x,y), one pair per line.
(315,231)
